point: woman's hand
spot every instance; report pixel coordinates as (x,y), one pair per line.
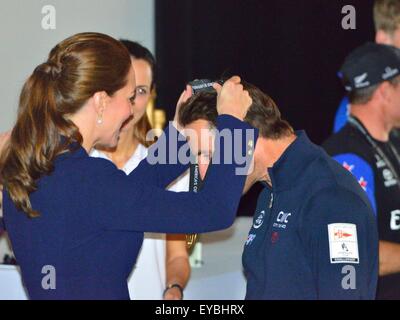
(232,99)
(186,94)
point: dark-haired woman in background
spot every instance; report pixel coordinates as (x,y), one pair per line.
(162,268)
(76,223)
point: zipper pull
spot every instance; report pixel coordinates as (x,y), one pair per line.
(271,201)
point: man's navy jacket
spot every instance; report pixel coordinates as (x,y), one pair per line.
(314,235)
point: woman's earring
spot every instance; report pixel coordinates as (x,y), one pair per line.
(100,118)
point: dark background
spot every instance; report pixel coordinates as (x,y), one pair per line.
(291,49)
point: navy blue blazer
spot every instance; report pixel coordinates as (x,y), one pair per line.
(93,217)
(314,235)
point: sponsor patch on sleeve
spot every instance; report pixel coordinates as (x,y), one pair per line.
(343,243)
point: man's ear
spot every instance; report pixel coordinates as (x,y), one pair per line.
(383,92)
(383,37)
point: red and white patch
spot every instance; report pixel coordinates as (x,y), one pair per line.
(343,243)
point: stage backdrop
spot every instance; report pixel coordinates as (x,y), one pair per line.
(291,49)
(30,28)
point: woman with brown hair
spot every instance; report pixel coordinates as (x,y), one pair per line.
(162,267)
(76,223)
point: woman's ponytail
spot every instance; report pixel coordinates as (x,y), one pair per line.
(35,139)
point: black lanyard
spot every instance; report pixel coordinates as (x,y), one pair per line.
(196,183)
(195,180)
(357,124)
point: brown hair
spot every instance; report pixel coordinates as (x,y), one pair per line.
(263,113)
(387,15)
(76,69)
(140,130)
(199,106)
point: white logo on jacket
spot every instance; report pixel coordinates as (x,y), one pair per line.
(389,179)
(282,219)
(250,239)
(395,220)
(259,221)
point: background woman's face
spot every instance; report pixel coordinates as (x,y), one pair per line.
(144,78)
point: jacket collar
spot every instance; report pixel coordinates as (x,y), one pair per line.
(292,163)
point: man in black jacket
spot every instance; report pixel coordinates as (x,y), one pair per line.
(366,147)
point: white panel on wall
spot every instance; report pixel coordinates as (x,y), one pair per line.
(28,32)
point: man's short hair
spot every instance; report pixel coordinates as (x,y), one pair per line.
(363,96)
(201,106)
(387,15)
(263,114)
